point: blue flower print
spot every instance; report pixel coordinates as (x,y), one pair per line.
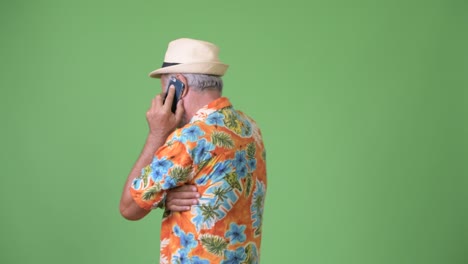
(181,257)
(136,184)
(242,171)
(169,183)
(215,119)
(234,257)
(252,164)
(191,134)
(188,241)
(203,180)
(240,159)
(220,170)
(177,230)
(157,175)
(159,167)
(236,233)
(202,151)
(197,260)
(162,164)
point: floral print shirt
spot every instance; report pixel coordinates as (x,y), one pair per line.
(220,151)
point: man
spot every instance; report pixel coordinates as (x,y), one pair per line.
(208,146)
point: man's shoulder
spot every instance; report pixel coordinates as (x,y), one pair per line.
(246,116)
(208,121)
(190,133)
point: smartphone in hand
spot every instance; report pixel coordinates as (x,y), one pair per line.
(179,89)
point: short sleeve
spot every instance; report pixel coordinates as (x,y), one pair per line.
(171,167)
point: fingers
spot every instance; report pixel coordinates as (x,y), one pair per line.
(183,204)
(169,98)
(182,195)
(185,188)
(182,198)
(177,208)
(185,192)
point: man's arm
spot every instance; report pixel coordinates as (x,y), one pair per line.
(161,122)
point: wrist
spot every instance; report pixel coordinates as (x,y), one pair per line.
(157,138)
(159,135)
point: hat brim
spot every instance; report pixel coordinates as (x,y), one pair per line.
(210,68)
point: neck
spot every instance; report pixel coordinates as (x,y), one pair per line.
(195,100)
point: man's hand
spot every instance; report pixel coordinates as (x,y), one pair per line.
(181,198)
(161,120)
(161,123)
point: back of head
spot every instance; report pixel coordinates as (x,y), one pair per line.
(201,82)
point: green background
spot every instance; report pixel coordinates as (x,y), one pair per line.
(362,105)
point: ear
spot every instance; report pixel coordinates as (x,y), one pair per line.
(182,78)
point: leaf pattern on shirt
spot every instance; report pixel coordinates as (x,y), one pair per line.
(251,150)
(222,139)
(209,211)
(257,207)
(251,252)
(221,194)
(149,193)
(214,244)
(233,181)
(248,184)
(180,174)
(231,121)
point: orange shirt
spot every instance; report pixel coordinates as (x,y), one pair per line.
(221,151)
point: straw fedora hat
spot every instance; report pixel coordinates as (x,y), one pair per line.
(186,55)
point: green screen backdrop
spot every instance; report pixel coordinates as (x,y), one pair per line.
(362,104)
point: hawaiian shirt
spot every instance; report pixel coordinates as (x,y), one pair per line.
(220,151)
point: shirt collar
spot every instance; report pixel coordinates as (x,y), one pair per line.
(214,106)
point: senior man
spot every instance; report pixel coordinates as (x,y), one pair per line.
(206,145)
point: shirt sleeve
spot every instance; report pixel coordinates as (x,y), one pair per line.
(171,167)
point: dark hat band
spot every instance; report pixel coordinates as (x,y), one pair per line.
(167,64)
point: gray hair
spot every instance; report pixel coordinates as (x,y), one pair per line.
(203,81)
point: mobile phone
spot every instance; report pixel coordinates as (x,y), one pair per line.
(179,89)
